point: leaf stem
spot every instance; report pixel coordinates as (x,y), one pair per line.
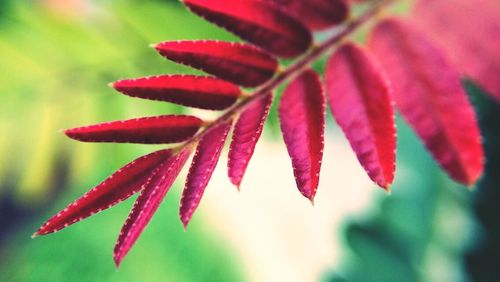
(293,70)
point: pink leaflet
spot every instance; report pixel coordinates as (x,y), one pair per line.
(359,97)
(258,22)
(121,185)
(238,63)
(473,43)
(203,165)
(429,95)
(148,202)
(188,90)
(302,119)
(246,134)
(316,14)
(148,130)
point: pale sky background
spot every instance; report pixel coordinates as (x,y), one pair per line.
(276,232)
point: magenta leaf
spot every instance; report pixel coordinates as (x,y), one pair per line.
(478,37)
(188,90)
(121,185)
(239,63)
(359,97)
(258,22)
(149,130)
(302,119)
(316,14)
(429,95)
(203,165)
(246,134)
(148,202)
(473,43)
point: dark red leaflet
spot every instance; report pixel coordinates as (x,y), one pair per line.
(188,90)
(429,95)
(258,22)
(474,40)
(203,165)
(302,119)
(316,14)
(148,202)
(239,63)
(246,134)
(148,130)
(125,182)
(359,97)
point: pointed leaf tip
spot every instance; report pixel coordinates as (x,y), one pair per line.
(359,97)
(239,63)
(149,130)
(246,134)
(148,202)
(429,95)
(203,165)
(302,119)
(202,92)
(258,22)
(121,185)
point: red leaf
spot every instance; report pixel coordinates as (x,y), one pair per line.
(258,22)
(148,202)
(239,63)
(359,97)
(316,14)
(122,184)
(203,165)
(302,119)
(473,42)
(188,90)
(246,134)
(430,97)
(149,130)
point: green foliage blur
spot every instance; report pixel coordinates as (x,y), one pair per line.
(56,59)
(483,255)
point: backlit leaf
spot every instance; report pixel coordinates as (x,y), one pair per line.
(246,134)
(239,63)
(203,165)
(148,202)
(188,90)
(121,185)
(258,22)
(148,130)
(302,120)
(316,14)
(429,95)
(470,33)
(359,97)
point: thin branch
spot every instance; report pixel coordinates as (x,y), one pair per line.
(294,69)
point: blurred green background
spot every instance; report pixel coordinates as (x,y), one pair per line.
(56,58)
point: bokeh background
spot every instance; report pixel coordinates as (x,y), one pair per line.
(56,58)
